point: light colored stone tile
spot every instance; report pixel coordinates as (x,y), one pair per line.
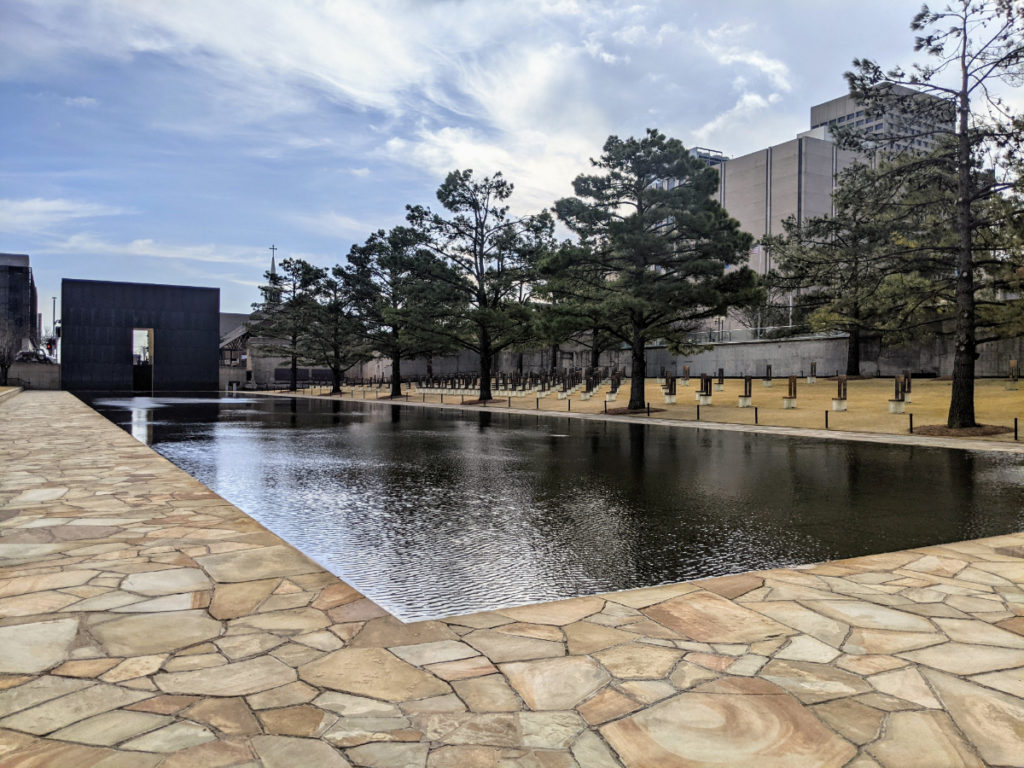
(261,563)
(167,582)
(813,683)
(283,696)
(293,620)
(389,755)
(36,646)
(434,705)
(606,705)
(237,679)
(321,640)
(697,728)
(111,727)
(585,637)
(487,694)
(37,691)
(747,665)
(137,666)
(641,598)
(242,646)
(963,659)
(463,669)
(229,716)
(353,731)
(499,647)
(59,713)
(686,675)
(851,719)
(905,683)
(387,631)
(372,672)
(708,618)
(468,729)
(870,665)
(807,648)
(979,632)
(883,642)
(1010,681)
(556,613)
(24,584)
(590,751)
(866,615)
(434,653)
(922,740)
(991,720)
(35,603)
(638,661)
(302,720)
(186,662)
(171,738)
(550,730)
(155,633)
(647,691)
(355,706)
(231,601)
(555,683)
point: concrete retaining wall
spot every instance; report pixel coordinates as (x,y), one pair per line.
(34,376)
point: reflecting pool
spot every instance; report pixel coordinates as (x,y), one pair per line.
(439,512)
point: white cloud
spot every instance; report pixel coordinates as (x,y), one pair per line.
(80,101)
(728,45)
(39,215)
(332,224)
(89,245)
(360,172)
(742,111)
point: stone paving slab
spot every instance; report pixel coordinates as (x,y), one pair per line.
(144,621)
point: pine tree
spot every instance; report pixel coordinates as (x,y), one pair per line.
(656,248)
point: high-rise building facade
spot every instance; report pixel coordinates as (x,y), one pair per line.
(18,300)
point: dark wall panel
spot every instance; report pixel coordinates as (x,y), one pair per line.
(96,342)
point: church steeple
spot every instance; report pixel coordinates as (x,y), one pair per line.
(273,253)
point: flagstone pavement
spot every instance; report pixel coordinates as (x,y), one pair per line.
(144,621)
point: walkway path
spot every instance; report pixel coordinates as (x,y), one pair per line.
(144,621)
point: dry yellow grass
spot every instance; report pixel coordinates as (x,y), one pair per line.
(867,404)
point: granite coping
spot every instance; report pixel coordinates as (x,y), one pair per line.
(145,621)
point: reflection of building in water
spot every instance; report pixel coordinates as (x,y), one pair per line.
(142,425)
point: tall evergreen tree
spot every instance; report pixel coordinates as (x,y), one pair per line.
(281,321)
(974,46)
(333,336)
(396,309)
(656,247)
(483,255)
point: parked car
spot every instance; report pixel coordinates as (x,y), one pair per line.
(34,356)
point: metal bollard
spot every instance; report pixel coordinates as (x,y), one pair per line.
(755,414)
(911,422)
(826,419)
(698,413)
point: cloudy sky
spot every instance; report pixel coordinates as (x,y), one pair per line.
(174,142)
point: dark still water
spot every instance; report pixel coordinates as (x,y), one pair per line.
(432,513)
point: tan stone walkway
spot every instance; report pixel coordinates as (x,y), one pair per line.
(144,621)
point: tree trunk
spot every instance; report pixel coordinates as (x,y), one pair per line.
(519,364)
(638,380)
(595,354)
(961,402)
(485,364)
(553,368)
(853,353)
(335,379)
(430,366)
(293,381)
(396,376)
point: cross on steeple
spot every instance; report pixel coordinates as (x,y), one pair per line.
(273,253)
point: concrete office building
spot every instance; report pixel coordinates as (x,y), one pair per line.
(796,178)
(18,299)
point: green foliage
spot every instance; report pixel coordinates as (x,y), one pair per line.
(654,247)
(972,46)
(482,265)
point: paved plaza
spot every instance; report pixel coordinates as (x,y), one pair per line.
(145,621)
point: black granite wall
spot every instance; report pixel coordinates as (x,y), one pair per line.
(96,342)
